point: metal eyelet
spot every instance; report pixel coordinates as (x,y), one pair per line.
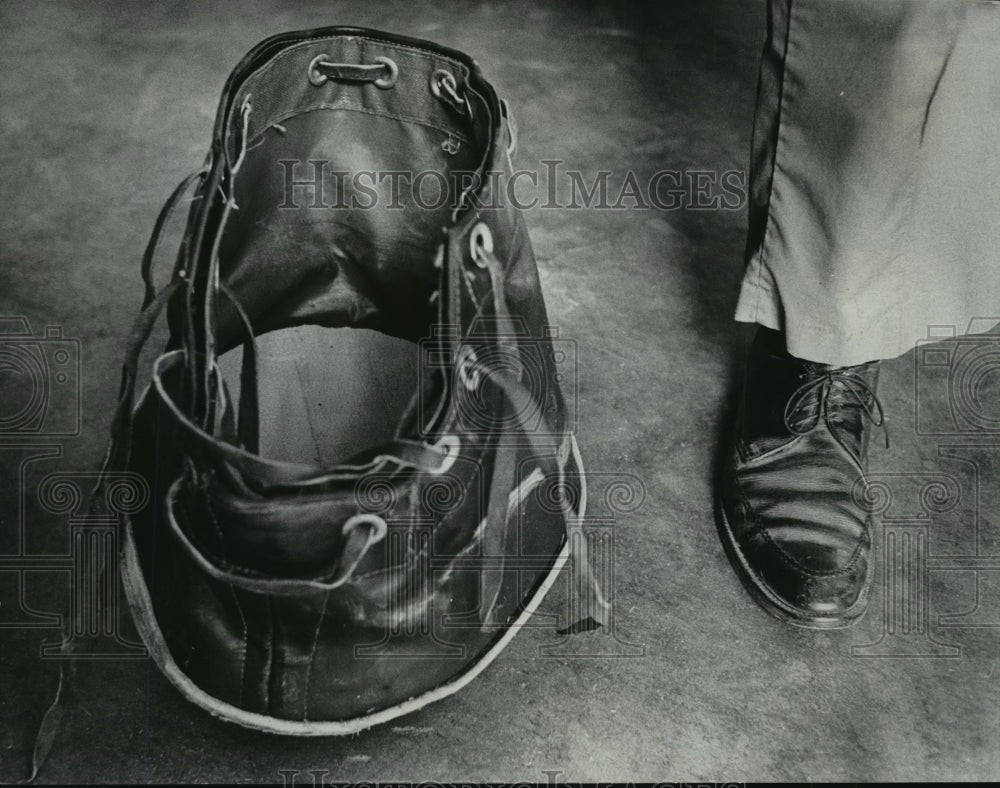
(444,86)
(453,447)
(480,241)
(378,526)
(388,81)
(317,77)
(444,81)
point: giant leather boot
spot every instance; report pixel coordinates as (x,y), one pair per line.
(357,533)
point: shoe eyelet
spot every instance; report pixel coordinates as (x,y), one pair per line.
(317,77)
(386,82)
(480,242)
(377,530)
(452,446)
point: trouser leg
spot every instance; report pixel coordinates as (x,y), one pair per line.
(875,175)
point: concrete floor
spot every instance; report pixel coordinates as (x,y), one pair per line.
(105,107)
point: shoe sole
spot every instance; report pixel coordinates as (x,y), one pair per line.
(772,603)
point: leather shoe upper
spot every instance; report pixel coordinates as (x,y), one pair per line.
(793,482)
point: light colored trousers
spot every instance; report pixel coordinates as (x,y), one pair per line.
(875,175)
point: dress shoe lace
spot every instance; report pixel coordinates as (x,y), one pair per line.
(854,387)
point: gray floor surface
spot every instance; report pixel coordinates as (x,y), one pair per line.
(104,107)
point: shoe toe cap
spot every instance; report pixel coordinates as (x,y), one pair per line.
(809,579)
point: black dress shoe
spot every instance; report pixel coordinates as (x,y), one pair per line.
(792,486)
